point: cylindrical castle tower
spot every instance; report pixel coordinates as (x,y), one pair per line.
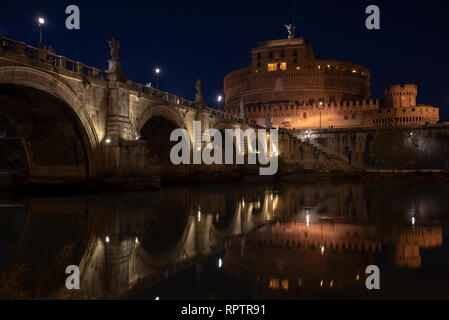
(286,70)
(401,96)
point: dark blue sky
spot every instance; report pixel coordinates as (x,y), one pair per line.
(208,39)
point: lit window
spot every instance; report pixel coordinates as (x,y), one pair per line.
(274,283)
(354,71)
(319,67)
(298,68)
(299,282)
(285,284)
(272,67)
(277,66)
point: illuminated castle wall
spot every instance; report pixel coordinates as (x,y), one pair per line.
(297,91)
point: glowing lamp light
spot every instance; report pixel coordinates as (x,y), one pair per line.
(107,239)
(157,70)
(219,98)
(157,298)
(41,20)
(322,249)
(108,141)
(220,263)
(307,220)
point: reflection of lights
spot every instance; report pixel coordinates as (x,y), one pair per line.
(321,283)
(357,277)
(107,239)
(243,203)
(322,249)
(199,214)
(137,240)
(220,263)
(331,284)
(307,220)
(413,221)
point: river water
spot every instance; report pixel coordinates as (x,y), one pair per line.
(231,241)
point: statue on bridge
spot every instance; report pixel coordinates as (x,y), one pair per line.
(242,110)
(268,124)
(115,66)
(114,45)
(199,91)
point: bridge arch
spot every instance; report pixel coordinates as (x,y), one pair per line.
(163,111)
(155,126)
(57,134)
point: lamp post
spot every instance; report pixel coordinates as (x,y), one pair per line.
(321,108)
(41,25)
(219,99)
(157,71)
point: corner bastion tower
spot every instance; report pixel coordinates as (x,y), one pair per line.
(286,84)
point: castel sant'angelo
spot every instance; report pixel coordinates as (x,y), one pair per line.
(287,87)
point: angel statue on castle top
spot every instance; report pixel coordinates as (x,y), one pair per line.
(291,30)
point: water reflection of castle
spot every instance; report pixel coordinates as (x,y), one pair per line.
(297,259)
(287,241)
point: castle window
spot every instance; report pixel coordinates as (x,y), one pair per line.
(283,66)
(258,56)
(272,67)
(295,60)
(295,53)
(258,64)
(282,54)
(298,68)
(274,283)
(270,55)
(304,115)
(284,284)
(319,67)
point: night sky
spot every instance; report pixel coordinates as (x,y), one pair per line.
(208,39)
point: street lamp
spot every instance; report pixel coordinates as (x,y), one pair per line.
(219,99)
(41,25)
(157,71)
(321,108)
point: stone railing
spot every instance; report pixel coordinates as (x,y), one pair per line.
(152,92)
(60,63)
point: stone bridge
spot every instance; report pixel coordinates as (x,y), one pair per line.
(78,123)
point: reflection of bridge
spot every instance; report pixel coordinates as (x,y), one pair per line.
(77,122)
(130,241)
(116,265)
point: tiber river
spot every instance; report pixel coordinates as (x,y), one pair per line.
(233,241)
